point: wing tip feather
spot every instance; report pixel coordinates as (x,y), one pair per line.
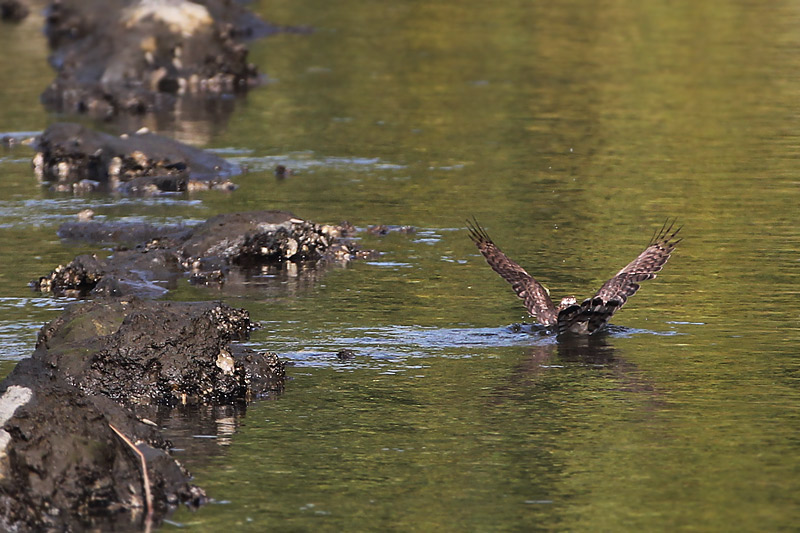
(666,236)
(476,232)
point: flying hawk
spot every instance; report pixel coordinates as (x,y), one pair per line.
(594,313)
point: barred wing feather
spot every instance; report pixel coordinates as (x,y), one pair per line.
(533,294)
(596,311)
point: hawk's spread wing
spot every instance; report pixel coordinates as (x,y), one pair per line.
(535,296)
(596,311)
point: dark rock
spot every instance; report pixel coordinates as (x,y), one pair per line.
(347,229)
(65,469)
(136,351)
(127,272)
(78,277)
(120,232)
(226,248)
(384,229)
(13,10)
(281,172)
(262,237)
(117,57)
(345,354)
(63,464)
(76,158)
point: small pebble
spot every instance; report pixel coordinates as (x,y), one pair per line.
(345,354)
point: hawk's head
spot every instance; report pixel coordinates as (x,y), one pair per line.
(566,302)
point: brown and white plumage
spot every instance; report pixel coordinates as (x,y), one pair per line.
(593,313)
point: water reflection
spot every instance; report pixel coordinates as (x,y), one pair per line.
(17,337)
(21,213)
(552,362)
(193,119)
(281,280)
(197,432)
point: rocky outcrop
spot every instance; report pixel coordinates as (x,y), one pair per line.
(72,158)
(210,253)
(73,453)
(117,57)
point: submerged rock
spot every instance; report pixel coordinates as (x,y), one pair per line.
(141,272)
(123,233)
(282,172)
(71,157)
(383,229)
(245,242)
(345,354)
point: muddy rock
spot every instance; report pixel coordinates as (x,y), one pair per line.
(238,247)
(71,415)
(80,276)
(227,248)
(70,157)
(117,57)
(137,351)
(265,236)
(63,467)
(147,272)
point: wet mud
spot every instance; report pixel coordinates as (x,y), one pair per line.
(72,158)
(225,248)
(69,422)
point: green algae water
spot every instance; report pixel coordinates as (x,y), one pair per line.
(571,130)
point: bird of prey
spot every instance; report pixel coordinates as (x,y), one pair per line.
(593,313)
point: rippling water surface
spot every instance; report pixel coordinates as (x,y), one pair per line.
(571,130)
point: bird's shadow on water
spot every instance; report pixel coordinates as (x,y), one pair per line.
(549,362)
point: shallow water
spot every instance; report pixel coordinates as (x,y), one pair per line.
(571,130)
